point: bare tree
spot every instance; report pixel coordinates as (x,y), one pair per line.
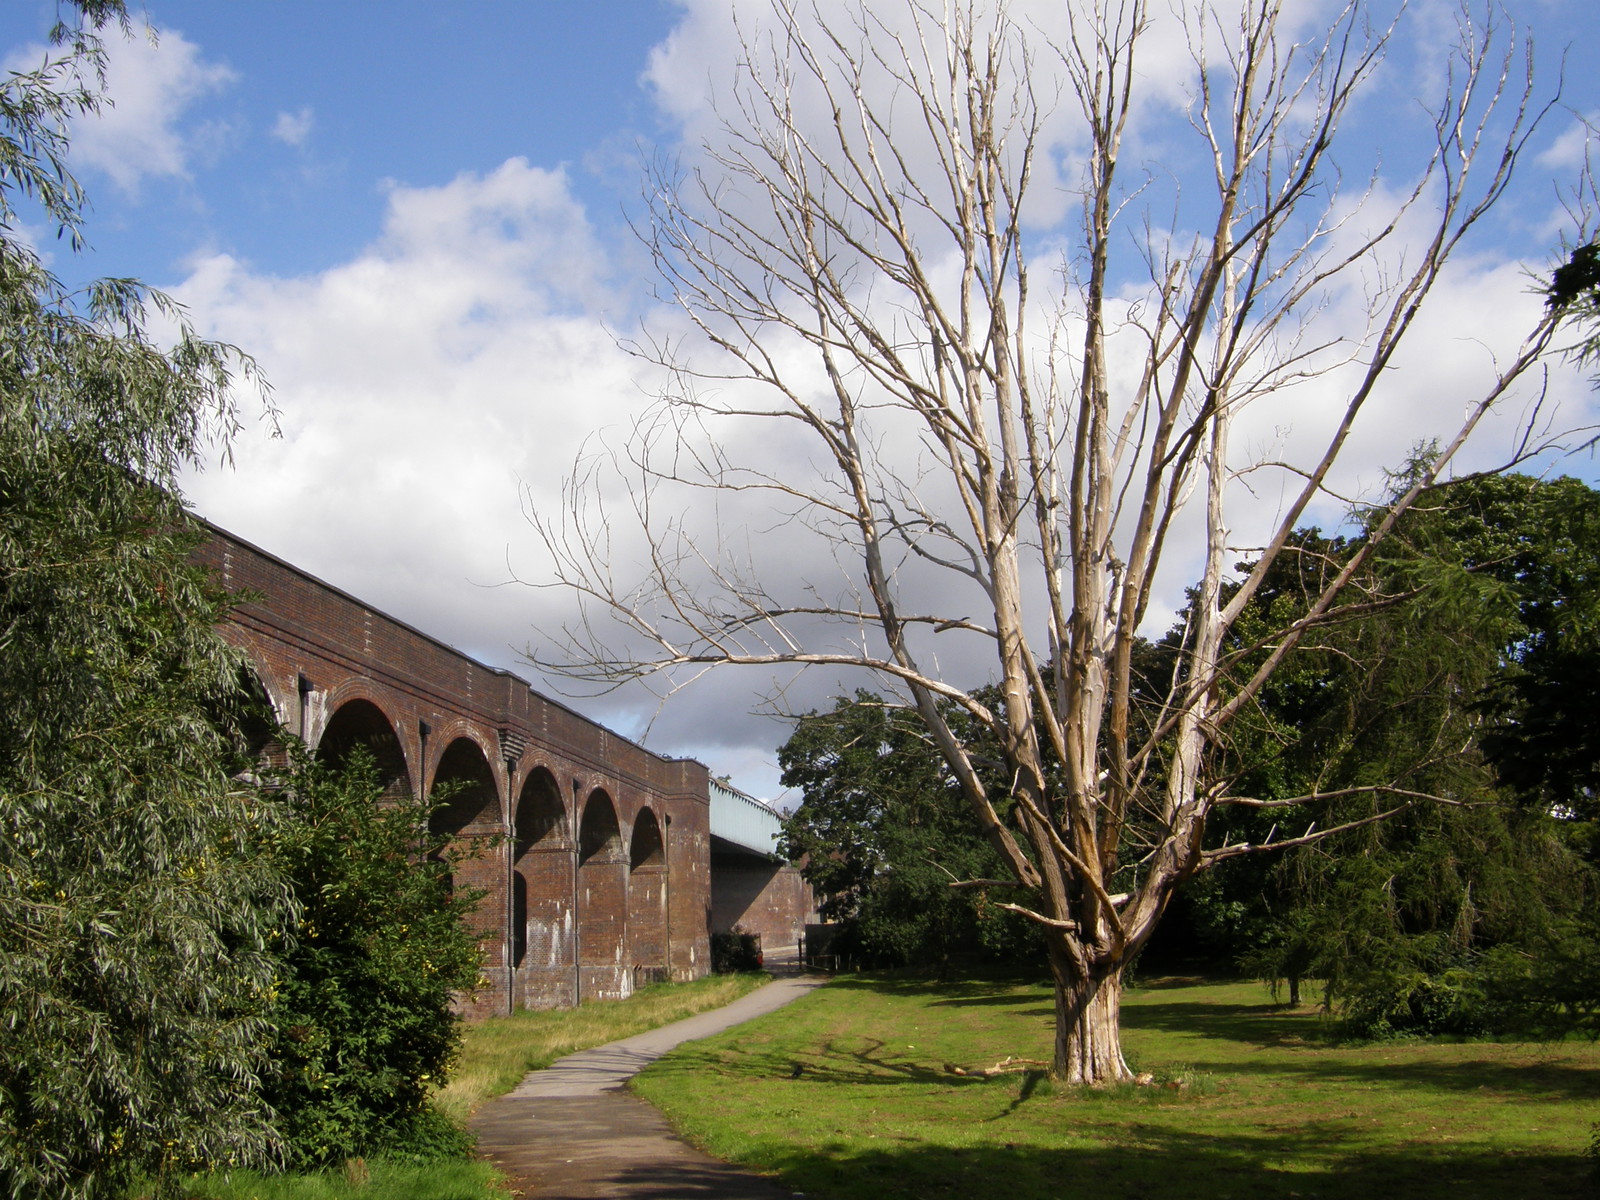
(853,259)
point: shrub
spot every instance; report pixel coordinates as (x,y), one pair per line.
(365,1027)
(737,950)
(1454,1002)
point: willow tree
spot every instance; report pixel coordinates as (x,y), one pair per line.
(136,911)
(996,455)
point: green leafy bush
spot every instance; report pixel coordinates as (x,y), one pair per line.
(737,950)
(1547,991)
(365,1024)
(1454,1002)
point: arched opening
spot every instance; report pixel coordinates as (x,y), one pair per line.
(468,808)
(599,837)
(646,848)
(519,918)
(603,969)
(257,733)
(248,724)
(647,899)
(362,723)
(542,943)
(540,817)
(465,785)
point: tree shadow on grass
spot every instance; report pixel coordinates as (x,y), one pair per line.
(996,991)
(1259,1025)
(1012,1001)
(1164,983)
(1159,1163)
(998,987)
(868,1063)
(1545,1081)
(1266,1028)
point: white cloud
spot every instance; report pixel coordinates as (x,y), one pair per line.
(150,87)
(466,353)
(460,358)
(420,379)
(292,129)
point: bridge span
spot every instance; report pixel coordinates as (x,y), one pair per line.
(604,864)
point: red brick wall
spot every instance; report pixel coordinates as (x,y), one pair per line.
(545,977)
(688,843)
(760,896)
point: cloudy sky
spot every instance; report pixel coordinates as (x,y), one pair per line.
(413,215)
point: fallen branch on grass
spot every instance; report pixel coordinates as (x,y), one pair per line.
(1006,1066)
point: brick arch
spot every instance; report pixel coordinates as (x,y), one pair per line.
(322,699)
(647,898)
(465,767)
(466,818)
(543,872)
(436,743)
(603,968)
(645,847)
(600,833)
(259,733)
(259,665)
(359,721)
(540,818)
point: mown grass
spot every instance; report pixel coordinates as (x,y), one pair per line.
(496,1054)
(846,1095)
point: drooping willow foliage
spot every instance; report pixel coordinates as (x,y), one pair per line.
(135,912)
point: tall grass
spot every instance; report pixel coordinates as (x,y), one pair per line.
(383,1181)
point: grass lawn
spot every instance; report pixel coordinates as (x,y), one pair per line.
(846,1096)
(495,1055)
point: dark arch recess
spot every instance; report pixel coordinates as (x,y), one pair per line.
(599,836)
(540,817)
(247,721)
(466,783)
(646,850)
(362,723)
(519,918)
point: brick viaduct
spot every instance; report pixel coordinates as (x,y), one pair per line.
(596,853)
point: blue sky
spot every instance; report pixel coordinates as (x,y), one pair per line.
(309,109)
(410,213)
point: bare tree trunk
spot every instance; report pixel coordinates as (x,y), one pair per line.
(1088,1024)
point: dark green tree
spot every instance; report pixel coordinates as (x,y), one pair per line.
(1541,540)
(134,912)
(365,1026)
(1453,913)
(883,832)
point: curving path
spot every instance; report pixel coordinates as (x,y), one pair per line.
(571,1131)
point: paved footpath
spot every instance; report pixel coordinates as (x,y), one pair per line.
(571,1131)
